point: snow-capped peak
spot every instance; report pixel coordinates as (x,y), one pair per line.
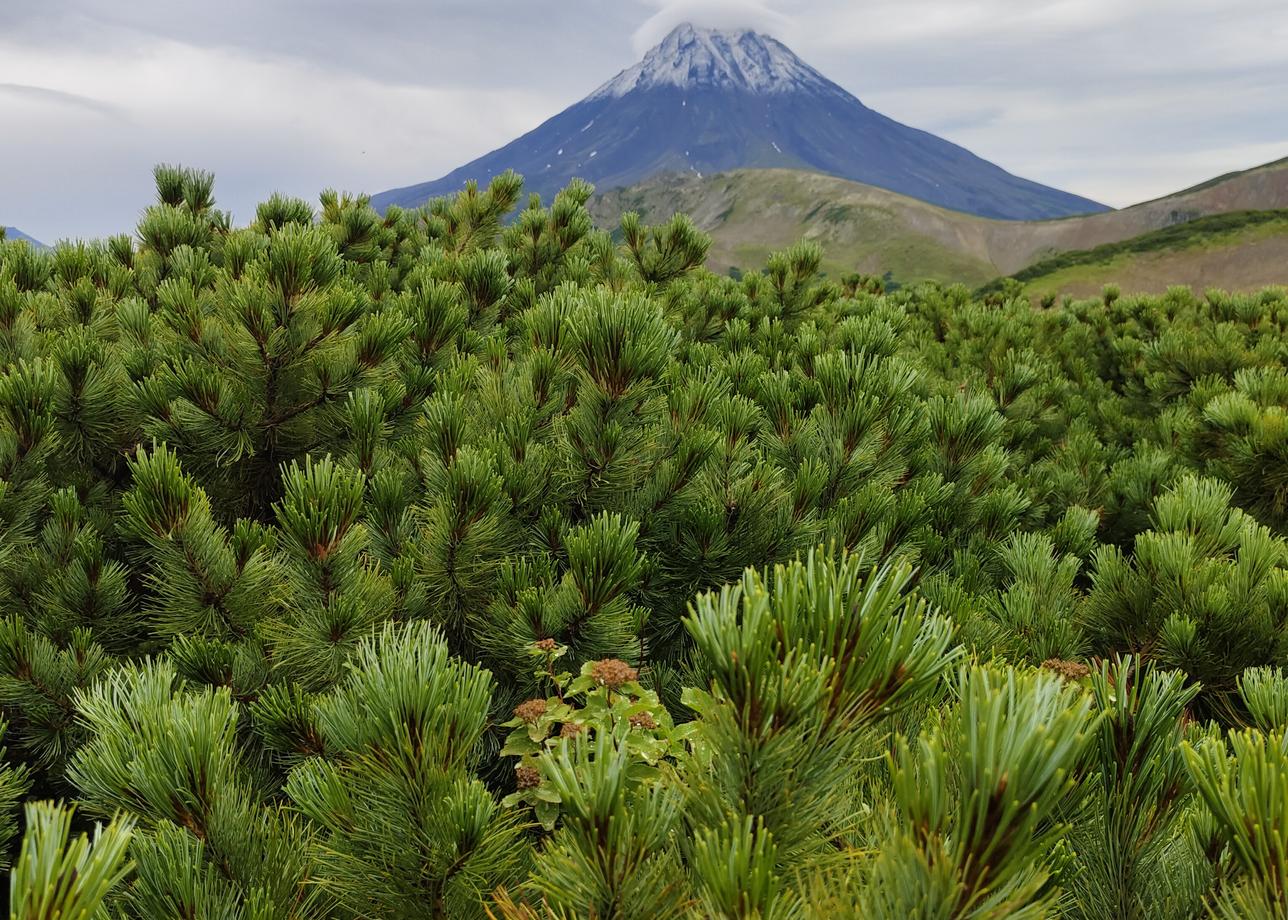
(725,58)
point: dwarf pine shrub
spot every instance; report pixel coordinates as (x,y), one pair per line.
(474,561)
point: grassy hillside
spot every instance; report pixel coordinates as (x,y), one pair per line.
(1244,250)
(750,213)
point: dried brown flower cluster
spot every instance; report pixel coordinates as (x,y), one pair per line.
(613,673)
(546,645)
(1072,671)
(571,730)
(527,777)
(643,720)
(530,711)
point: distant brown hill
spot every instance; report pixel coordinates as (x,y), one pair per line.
(1235,251)
(863,228)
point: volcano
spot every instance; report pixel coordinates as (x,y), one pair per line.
(712,100)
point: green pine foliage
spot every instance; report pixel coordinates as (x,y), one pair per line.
(61,876)
(474,562)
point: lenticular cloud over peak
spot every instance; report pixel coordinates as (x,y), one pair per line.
(724,15)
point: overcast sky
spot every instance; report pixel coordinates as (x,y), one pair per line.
(1118,100)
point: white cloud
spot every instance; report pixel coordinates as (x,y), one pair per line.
(713,14)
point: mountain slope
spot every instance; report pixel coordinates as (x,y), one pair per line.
(706,101)
(1237,251)
(1260,188)
(750,213)
(13,233)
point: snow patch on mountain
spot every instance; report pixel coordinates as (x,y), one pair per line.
(724,58)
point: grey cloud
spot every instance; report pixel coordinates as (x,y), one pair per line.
(45,95)
(1110,99)
(430,43)
(976,118)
